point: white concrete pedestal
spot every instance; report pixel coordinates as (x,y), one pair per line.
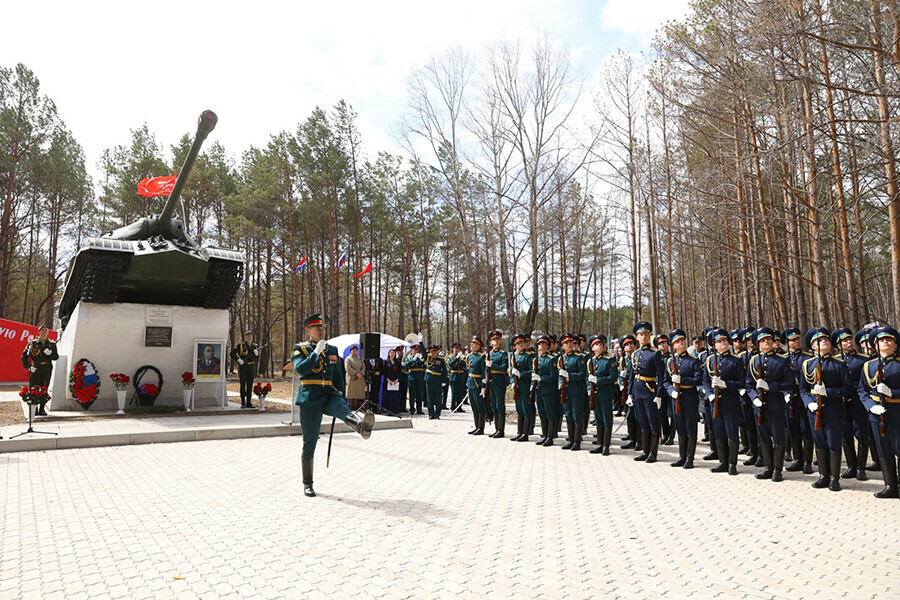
(112,337)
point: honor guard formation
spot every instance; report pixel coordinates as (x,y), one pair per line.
(816,399)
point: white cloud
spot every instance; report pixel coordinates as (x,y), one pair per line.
(640,16)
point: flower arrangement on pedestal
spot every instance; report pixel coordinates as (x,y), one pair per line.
(262,390)
(187,380)
(121,381)
(84,383)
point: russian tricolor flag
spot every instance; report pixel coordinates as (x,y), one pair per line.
(342,260)
(300,265)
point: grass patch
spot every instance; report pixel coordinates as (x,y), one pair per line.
(153,410)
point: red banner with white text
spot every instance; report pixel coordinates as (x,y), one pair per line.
(14,337)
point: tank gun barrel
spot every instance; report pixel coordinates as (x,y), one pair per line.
(205,124)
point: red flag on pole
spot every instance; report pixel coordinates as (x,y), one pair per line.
(368,269)
(158,186)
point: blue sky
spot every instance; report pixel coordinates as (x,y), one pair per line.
(263,66)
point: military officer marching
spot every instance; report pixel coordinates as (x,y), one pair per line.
(322,382)
(38,357)
(246,354)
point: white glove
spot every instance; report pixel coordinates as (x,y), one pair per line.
(676,378)
(757,403)
(717,382)
(711,397)
(819,389)
(762,385)
(48,351)
(563,373)
(674,394)
(742,391)
(515,372)
(592,379)
(658,402)
(320,347)
(256,351)
(877,410)
(535,377)
(484,392)
(488,363)
(32,369)
(630,401)
(443,385)
(623,373)
(787,397)
(813,406)
(240,361)
(882,389)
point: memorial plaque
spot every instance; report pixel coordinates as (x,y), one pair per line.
(158,337)
(158,315)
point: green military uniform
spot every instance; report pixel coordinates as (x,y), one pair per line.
(246,356)
(523,362)
(546,377)
(457,367)
(499,367)
(38,358)
(436,380)
(415,365)
(321,392)
(606,372)
(475,373)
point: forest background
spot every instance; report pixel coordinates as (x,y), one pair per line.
(743,172)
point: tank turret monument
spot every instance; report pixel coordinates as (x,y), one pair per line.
(148,294)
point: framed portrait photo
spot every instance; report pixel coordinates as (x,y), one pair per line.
(209,360)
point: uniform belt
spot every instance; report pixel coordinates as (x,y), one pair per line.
(686,387)
(475,375)
(493,372)
(452,371)
(891,400)
(416,370)
(316,382)
(430,372)
(41,362)
(642,378)
(249,362)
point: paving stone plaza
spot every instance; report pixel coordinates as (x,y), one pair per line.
(428,512)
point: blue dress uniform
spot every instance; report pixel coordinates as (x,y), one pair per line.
(666,408)
(547,393)
(604,369)
(475,369)
(322,381)
(457,366)
(626,371)
(725,426)
(798,424)
(749,429)
(499,367)
(246,354)
(644,389)
(856,425)
(415,366)
(435,380)
(39,355)
(574,365)
(836,378)
(685,397)
(885,408)
(523,362)
(705,405)
(777,376)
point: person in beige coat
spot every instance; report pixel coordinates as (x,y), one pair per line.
(356,378)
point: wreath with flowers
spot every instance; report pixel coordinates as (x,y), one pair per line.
(84,383)
(147,392)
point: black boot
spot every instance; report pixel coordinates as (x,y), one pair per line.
(691,450)
(577,443)
(824,470)
(766,451)
(835,468)
(551,432)
(526,422)
(306,465)
(682,452)
(601,434)
(645,444)
(732,457)
(362,423)
(632,438)
(861,463)
(520,428)
(722,454)
(479,423)
(850,452)
(543,432)
(808,448)
(778,457)
(744,439)
(570,428)
(713,450)
(873,452)
(754,446)
(889,470)
(639,444)
(607,438)
(249,405)
(654,447)
(797,451)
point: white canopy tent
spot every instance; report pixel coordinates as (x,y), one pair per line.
(343,343)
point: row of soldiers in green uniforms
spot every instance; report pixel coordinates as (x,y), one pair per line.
(833,393)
